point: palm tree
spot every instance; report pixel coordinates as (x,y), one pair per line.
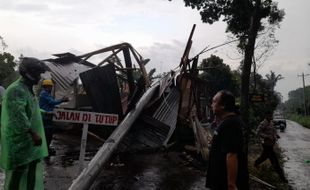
(272,79)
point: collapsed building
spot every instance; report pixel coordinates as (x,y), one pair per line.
(112,88)
(149,109)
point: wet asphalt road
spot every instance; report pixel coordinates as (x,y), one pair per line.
(154,171)
(150,171)
(158,171)
(295,143)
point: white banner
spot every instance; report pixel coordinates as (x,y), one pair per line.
(85,117)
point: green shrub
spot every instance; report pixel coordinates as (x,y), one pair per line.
(302,120)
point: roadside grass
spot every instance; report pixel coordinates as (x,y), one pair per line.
(265,171)
(302,120)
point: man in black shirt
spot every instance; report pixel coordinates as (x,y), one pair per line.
(227,159)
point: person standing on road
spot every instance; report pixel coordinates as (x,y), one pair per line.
(23,143)
(48,103)
(268,133)
(227,166)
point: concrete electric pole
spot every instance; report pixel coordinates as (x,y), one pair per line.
(304,91)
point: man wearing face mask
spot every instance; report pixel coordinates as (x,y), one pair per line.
(23,143)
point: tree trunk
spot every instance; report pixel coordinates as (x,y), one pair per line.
(246,67)
(246,70)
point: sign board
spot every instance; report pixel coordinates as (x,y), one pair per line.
(71,116)
(257,97)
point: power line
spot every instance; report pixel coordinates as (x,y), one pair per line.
(206,49)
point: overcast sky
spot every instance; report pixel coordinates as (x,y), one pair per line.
(158,29)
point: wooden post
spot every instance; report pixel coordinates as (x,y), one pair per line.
(83,146)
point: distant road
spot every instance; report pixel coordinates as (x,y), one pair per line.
(295,143)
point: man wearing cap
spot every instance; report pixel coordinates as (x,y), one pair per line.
(23,143)
(48,103)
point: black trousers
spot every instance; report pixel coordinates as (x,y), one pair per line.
(48,129)
(14,179)
(49,132)
(268,153)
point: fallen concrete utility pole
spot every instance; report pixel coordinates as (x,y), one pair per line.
(89,174)
(262,182)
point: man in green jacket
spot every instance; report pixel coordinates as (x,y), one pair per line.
(23,143)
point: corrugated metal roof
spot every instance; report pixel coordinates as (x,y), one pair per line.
(167,112)
(154,131)
(64,74)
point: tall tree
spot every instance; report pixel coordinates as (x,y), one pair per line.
(3,44)
(7,64)
(245,19)
(218,75)
(264,86)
